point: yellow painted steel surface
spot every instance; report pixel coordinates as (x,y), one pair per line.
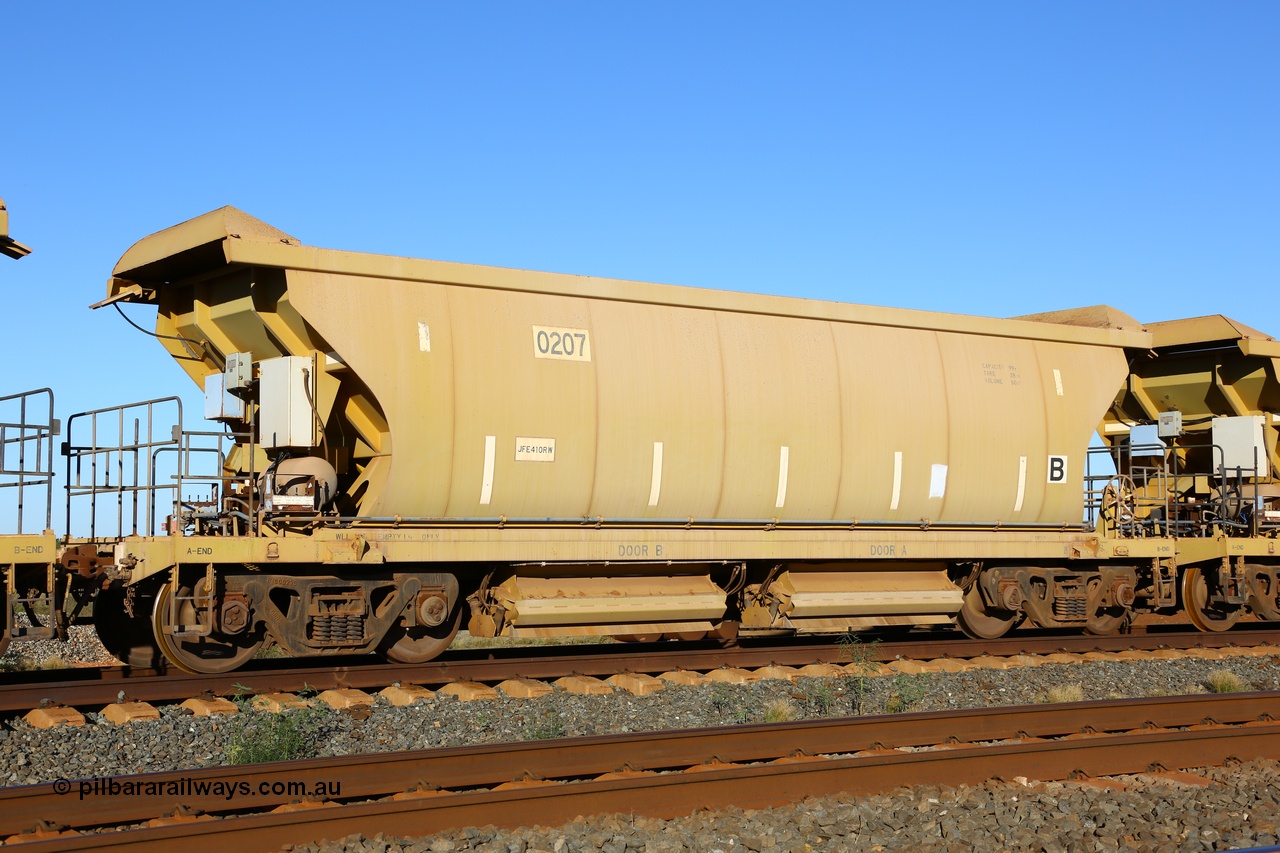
(466,391)
(1215,366)
(8,246)
(536,601)
(28,549)
(582,550)
(1204,367)
(850,590)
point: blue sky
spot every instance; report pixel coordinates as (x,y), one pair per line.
(982,158)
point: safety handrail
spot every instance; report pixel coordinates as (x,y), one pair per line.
(27,428)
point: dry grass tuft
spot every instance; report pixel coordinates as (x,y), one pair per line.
(1064,693)
(780,711)
(1225,681)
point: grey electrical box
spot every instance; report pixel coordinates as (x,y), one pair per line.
(286,393)
(1170,424)
(1144,440)
(239,371)
(218,404)
(1242,446)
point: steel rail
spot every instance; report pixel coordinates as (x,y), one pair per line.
(784,767)
(676,795)
(98,686)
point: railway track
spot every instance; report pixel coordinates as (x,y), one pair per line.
(666,774)
(96,686)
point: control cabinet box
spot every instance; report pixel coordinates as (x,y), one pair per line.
(286,395)
(1242,442)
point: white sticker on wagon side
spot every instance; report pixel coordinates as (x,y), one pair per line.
(535,449)
(561,344)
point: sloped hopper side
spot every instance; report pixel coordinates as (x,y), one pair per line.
(1091,317)
(1205,368)
(211,304)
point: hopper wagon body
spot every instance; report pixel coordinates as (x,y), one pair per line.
(412,446)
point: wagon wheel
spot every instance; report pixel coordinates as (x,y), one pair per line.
(420,643)
(1203,614)
(1119,499)
(215,653)
(979,622)
(1264,595)
(1105,621)
(127,638)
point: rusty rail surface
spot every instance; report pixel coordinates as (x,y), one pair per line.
(98,686)
(664,774)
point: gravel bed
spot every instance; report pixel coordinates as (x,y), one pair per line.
(1241,809)
(181,741)
(82,648)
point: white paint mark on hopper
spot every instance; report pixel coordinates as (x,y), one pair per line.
(938,481)
(1057,380)
(424,337)
(486,484)
(1022,483)
(655,483)
(784,459)
(897,479)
